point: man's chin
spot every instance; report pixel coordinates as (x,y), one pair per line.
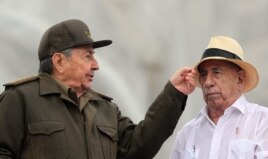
(214,103)
(87,86)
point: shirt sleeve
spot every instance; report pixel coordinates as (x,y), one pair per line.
(179,149)
(175,153)
(262,136)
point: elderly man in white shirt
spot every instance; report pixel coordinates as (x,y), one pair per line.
(228,127)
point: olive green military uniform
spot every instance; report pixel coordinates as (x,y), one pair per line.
(41,120)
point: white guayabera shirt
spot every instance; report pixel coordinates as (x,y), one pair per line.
(241,133)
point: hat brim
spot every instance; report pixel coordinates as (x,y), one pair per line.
(252,77)
(101,43)
(95,44)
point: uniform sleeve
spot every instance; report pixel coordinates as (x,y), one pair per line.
(145,139)
(11,125)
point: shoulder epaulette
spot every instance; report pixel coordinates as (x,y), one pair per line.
(105,97)
(21,81)
(101,95)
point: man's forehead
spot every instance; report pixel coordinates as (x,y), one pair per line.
(214,65)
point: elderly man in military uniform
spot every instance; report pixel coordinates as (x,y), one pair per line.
(57,115)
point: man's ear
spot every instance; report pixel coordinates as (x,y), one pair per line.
(58,62)
(241,76)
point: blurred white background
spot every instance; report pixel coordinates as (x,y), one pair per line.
(151,40)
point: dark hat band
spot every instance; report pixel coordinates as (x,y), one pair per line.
(221,53)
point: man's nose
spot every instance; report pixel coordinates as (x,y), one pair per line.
(209,81)
(95,64)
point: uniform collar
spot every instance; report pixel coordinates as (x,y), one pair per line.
(48,85)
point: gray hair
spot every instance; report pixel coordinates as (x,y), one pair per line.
(46,65)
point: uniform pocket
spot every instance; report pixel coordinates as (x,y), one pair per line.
(109,139)
(109,132)
(241,149)
(47,140)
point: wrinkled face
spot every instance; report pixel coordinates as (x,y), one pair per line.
(221,82)
(79,68)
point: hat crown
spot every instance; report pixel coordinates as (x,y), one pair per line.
(64,35)
(227,49)
(226,44)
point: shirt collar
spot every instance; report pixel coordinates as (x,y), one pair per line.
(239,104)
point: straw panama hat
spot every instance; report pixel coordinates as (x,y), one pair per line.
(227,49)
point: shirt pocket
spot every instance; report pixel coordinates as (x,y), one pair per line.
(109,139)
(241,149)
(189,154)
(262,155)
(47,140)
(262,149)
